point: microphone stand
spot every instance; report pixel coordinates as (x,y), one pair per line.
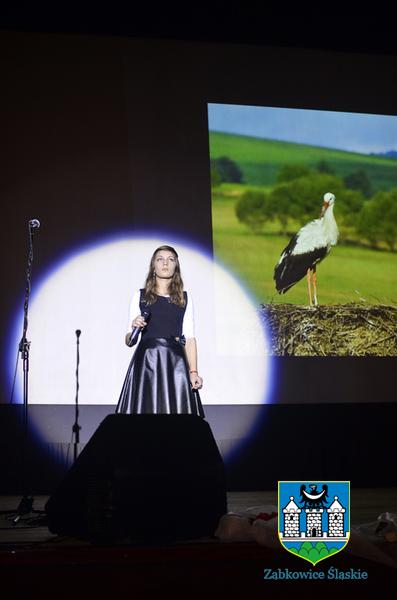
(76,426)
(26,504)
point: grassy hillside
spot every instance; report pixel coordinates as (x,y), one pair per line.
(261,159)
(348,274)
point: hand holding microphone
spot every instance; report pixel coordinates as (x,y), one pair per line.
(138,325)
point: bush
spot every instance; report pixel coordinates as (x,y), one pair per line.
(227,169)
(215,176)
(281,205)
(350,204)
(302,198)
(378,219)
(360,181)
(324,167)
(291,172)
(251,209)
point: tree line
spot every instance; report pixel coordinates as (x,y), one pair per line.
(296,195)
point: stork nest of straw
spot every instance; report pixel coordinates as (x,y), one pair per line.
(331,330)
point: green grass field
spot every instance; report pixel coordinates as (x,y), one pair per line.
(348,274)
(261,159)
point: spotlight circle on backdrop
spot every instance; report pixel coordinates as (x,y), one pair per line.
(91,291)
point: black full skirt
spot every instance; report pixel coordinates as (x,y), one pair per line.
(157,381)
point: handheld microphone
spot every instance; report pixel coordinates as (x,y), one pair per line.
(34,224)
(78,333)
(137,330)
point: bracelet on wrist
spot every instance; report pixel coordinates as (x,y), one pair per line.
(193,372)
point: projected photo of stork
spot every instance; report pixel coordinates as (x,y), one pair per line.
(306,249)
(304,211)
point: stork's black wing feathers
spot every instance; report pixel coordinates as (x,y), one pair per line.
(280,268)
(293,267)
(290,246)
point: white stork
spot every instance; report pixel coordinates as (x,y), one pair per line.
(306,249)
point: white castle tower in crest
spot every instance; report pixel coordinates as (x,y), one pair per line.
(313,522)
(335,518)
(291,519)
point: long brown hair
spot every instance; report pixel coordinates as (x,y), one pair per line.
(175,289)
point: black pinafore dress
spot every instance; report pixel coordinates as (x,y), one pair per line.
(157,379)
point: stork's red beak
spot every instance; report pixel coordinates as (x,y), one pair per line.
(325,206)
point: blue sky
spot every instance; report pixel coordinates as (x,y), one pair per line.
(354,132)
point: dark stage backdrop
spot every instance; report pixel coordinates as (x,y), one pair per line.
(104,134)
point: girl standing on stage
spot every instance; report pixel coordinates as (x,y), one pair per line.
(162,377)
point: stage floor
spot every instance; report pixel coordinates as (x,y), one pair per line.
(33,559)
(366,505)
